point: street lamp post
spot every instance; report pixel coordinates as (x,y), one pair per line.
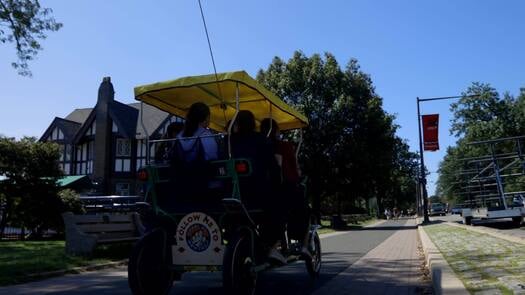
(423,177)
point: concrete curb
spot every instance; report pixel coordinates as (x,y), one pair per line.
(76,270)
(487,231)
(444,280)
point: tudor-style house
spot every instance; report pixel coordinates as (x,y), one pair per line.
(108,142)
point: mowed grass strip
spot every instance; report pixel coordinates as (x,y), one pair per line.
(21,261)
(484,263)
(326,225)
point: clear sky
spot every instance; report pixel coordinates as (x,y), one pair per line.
(410,48)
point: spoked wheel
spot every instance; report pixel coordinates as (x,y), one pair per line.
(237,274)
(313,266)
(148,269)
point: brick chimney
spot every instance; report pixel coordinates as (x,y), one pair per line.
(102,162)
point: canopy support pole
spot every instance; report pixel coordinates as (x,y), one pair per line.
(233,120)
(299,145)
(271,123)
(145,132)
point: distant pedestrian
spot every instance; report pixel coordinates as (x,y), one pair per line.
(388,214)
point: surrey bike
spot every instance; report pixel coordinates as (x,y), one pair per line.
(206,230)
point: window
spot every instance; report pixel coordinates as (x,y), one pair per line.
(114,128)
(68,152)
(55,135)
(65,158)
(123,147)
(141,153)
(123,154)
(61,150)
(122,189)
(84,158)
(66,168)
(92,129)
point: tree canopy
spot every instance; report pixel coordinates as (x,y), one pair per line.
(29,194)
(481,114)
(350,151)
(25,23)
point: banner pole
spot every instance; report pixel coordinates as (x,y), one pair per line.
(423,177)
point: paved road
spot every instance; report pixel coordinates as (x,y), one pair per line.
(339,252)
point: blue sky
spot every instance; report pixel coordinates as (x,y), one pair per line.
(410,48)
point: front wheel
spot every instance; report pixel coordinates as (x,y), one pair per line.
(313,266)
(148,269)
(237,274)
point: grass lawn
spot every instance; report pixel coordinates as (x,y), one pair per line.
(326,225)
(482,262)
(18,260)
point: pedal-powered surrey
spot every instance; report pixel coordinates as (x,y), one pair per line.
(202,229)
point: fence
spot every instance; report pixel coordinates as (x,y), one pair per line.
(92,205)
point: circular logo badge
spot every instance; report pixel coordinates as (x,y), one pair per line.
(198,237)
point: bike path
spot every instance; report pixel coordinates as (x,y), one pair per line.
(339,252)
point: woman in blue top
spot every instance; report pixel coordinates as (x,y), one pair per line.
(196,125)
(196,146)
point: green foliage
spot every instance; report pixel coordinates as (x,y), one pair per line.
(30,189)
(26,22)
(350,151)
(70,201)
(481,114)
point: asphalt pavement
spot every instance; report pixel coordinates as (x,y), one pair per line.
(339,252)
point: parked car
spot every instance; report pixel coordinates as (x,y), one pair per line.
(437,209)
(456,210)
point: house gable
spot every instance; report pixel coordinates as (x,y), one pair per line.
(61,130)
(87,125)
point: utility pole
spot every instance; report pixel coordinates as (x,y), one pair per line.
(423,177)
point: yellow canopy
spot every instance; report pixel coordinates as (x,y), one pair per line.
(176,97)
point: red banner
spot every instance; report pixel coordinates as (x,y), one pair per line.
(430,132)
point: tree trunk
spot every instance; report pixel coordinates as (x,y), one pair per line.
(316,198)
(3,222)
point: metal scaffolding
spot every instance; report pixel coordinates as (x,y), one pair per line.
(484,181)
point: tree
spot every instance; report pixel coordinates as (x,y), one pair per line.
(481,114)
(30,189)
(25,22)
(349,146)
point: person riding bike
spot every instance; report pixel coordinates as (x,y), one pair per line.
(295,203)
(259,191)
(194,149)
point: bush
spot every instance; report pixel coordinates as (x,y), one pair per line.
(71,201)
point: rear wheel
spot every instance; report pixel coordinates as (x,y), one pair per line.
(313,266)
(237,274)
(467,220)
(148,267)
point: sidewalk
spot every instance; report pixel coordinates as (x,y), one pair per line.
(393,267)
